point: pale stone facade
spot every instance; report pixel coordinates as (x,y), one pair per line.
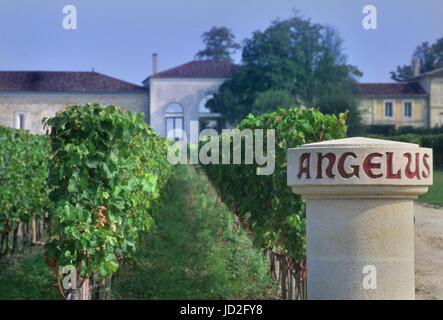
(423,94)
(178,96)
(434,88)
(27,97)
(373,111)
(188,93)
(35,106)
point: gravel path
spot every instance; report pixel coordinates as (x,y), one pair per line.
(428,252)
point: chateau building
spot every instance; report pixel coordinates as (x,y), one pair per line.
(418,102)
(172,99)
(176,98)
(26,97)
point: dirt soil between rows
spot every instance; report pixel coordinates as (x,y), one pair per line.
(428,252)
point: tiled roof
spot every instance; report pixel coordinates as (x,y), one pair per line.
(63,81)
(392,89)
(199,69)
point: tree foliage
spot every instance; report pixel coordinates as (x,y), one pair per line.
(300,60)
(106,170)
(430,56)
(271,99)
(220,45)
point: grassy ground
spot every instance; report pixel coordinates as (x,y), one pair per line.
(26,277)
(194,251)
(435,193)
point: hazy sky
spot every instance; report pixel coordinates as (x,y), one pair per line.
(118,37)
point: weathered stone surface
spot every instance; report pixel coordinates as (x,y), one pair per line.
(186,92)
(38,105)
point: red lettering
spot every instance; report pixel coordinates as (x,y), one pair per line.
(305,169)
(368,166)
(408,171)
(426,164)
(341,164)
(331,158)
(390,174)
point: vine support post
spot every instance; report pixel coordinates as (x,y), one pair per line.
(84,289)
(277,268)
(20,236)
(291,285)
(271,263)
(359,215)
(34,230)
(283,277)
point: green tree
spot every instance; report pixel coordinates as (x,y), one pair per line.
(430,56)
(220,45)
(272,99)
(293,62)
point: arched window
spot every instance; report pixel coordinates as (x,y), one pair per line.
(174,107)
(19,120)
(174,121)
(202,108)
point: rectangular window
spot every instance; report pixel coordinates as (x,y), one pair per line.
(408,109)
(174,125)
(388,109)
(19,120)
(169,127)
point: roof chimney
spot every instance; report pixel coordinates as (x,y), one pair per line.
(416,67)
(154,63)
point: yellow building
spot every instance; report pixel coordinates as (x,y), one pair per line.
(418,102)
(432,83)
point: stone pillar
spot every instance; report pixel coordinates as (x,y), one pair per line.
(359,215)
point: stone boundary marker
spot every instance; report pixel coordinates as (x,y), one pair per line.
(359,215)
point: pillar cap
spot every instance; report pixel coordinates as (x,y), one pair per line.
(352,165)
(358,142)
